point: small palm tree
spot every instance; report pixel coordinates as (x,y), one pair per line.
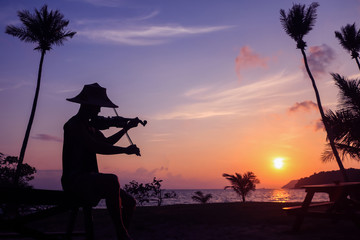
(297,23)
(345,122)
(242,184)
(201,198)
(45,29)
(349,38)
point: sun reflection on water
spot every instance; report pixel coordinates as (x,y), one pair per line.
(280,195)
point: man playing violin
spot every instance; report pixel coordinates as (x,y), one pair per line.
(82,141)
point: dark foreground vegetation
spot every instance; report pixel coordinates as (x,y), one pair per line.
(228,221)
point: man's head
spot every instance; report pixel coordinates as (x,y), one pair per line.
(93,94)
(90,111)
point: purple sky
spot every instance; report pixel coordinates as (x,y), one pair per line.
(220,83)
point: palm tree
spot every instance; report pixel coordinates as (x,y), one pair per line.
(201,198)
(297,23)
(349,38)
(345,122)
(242,184)
(45,29)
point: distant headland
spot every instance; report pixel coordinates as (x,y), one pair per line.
(323,178)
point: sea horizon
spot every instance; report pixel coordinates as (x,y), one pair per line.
(184,196)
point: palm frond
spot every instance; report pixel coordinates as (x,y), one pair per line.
(242,184)
(200,197)
(349,92)
(299,21)
(349,39)
(340,122)
(345,122)
(347,151)
(43,27)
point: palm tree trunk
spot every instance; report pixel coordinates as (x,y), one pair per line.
(327,127)
(31,119)
(357,61)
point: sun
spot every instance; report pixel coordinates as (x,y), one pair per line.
(278,163)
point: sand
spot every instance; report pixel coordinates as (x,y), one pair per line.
(217,221)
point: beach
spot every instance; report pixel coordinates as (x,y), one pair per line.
(216,221)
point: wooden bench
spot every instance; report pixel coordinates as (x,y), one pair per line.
(55,202)
(313,209)
(321,210)
(339,206)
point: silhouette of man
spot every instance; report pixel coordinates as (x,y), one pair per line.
(82,141)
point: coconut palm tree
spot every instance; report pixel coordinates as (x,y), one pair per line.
(201,198)
(298,22)
(45,29)
(349,38)
(345,122)
(242,184)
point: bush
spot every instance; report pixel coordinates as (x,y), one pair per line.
(8,165)
(144,193)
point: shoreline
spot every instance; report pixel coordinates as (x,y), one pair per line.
(213,221)
(229,196)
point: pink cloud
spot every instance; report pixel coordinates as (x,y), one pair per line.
(319,58)
(318,125)
(303,106)
(46,137)
(249,59)
(308,106)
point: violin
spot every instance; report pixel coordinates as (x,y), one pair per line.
(102,123)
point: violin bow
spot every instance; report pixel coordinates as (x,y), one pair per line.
(127,135)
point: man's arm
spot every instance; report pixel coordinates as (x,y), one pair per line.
(100,144)
(117,136)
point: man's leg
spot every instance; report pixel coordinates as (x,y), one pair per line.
(128,204)
(108,186)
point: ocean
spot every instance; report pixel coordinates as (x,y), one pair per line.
(223,196)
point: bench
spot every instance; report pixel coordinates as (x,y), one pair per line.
(340,205)
(56,202)
(313,209)
(322,210)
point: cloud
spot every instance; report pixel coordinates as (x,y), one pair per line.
(144,35)
(105,3)
(318,125)
(170,180)
(50,179)
(248,59)
(148,16)
(46,137)
(232,99)
(196,91)
(146,173)
(159,137)
(308,106)
(319,58)
(303,106)
(110,23)
(356,75)
(16,86)
(141,174)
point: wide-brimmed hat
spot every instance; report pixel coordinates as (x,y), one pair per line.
(93,94)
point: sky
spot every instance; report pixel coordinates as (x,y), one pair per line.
(222,86)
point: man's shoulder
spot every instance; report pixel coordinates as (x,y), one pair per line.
(72,122)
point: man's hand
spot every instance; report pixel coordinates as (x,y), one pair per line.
(133,149)
(133,123)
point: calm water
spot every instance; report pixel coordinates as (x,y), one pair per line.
(221,196)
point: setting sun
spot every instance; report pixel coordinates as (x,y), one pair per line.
(278,163)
